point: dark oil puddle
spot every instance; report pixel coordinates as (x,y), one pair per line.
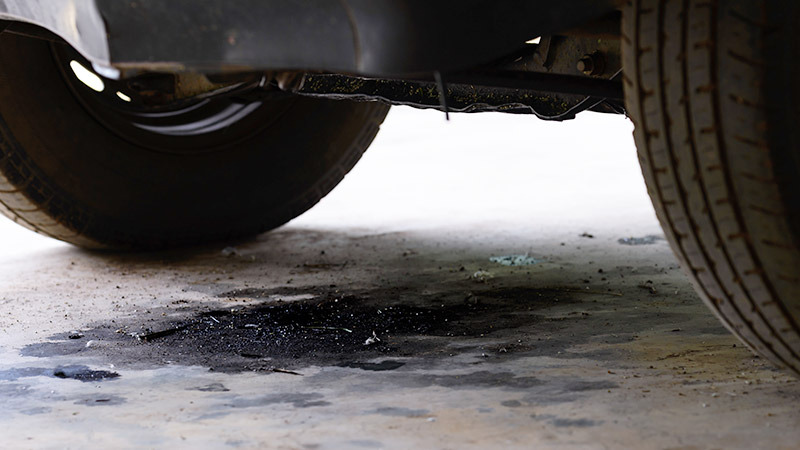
(348,329)
(327,330)
(84,374)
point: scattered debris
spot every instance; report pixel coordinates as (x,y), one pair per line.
(515,260)
(471,299)
(586,235)
(648,285)
(374,339)
(230,251)
(158,334)
(275,369)
(323,329)
(481,276)
(328,328)
(646,240)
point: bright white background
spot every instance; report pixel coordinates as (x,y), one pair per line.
(477,170)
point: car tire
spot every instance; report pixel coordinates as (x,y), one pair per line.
(70,172)
(710,88)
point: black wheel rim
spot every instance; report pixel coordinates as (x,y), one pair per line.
(186,127)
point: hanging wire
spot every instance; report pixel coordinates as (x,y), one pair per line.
(440,86)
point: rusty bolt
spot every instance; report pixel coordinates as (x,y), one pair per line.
(591,64)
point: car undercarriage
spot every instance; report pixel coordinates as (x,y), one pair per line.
(114,115)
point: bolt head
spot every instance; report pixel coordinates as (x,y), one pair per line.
(586,65)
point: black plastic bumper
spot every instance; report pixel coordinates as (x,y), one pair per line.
(370,37)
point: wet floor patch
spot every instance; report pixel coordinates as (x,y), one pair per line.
(511,403)
(399,412)
(481,378)
(374,367)
(13,390)
(563,422)
(212,387)
(297,400)
(36,411)
(80,373)
(100,400)
(644,240)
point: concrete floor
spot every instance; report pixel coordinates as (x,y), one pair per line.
(263,343)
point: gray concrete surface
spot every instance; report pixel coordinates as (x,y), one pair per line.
(264,343)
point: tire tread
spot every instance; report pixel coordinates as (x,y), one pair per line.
(709,179)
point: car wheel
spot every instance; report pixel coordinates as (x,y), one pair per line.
(94,169)
(710,88)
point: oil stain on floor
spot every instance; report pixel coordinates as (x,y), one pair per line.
(369,329)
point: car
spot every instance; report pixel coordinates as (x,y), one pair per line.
(144,124)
